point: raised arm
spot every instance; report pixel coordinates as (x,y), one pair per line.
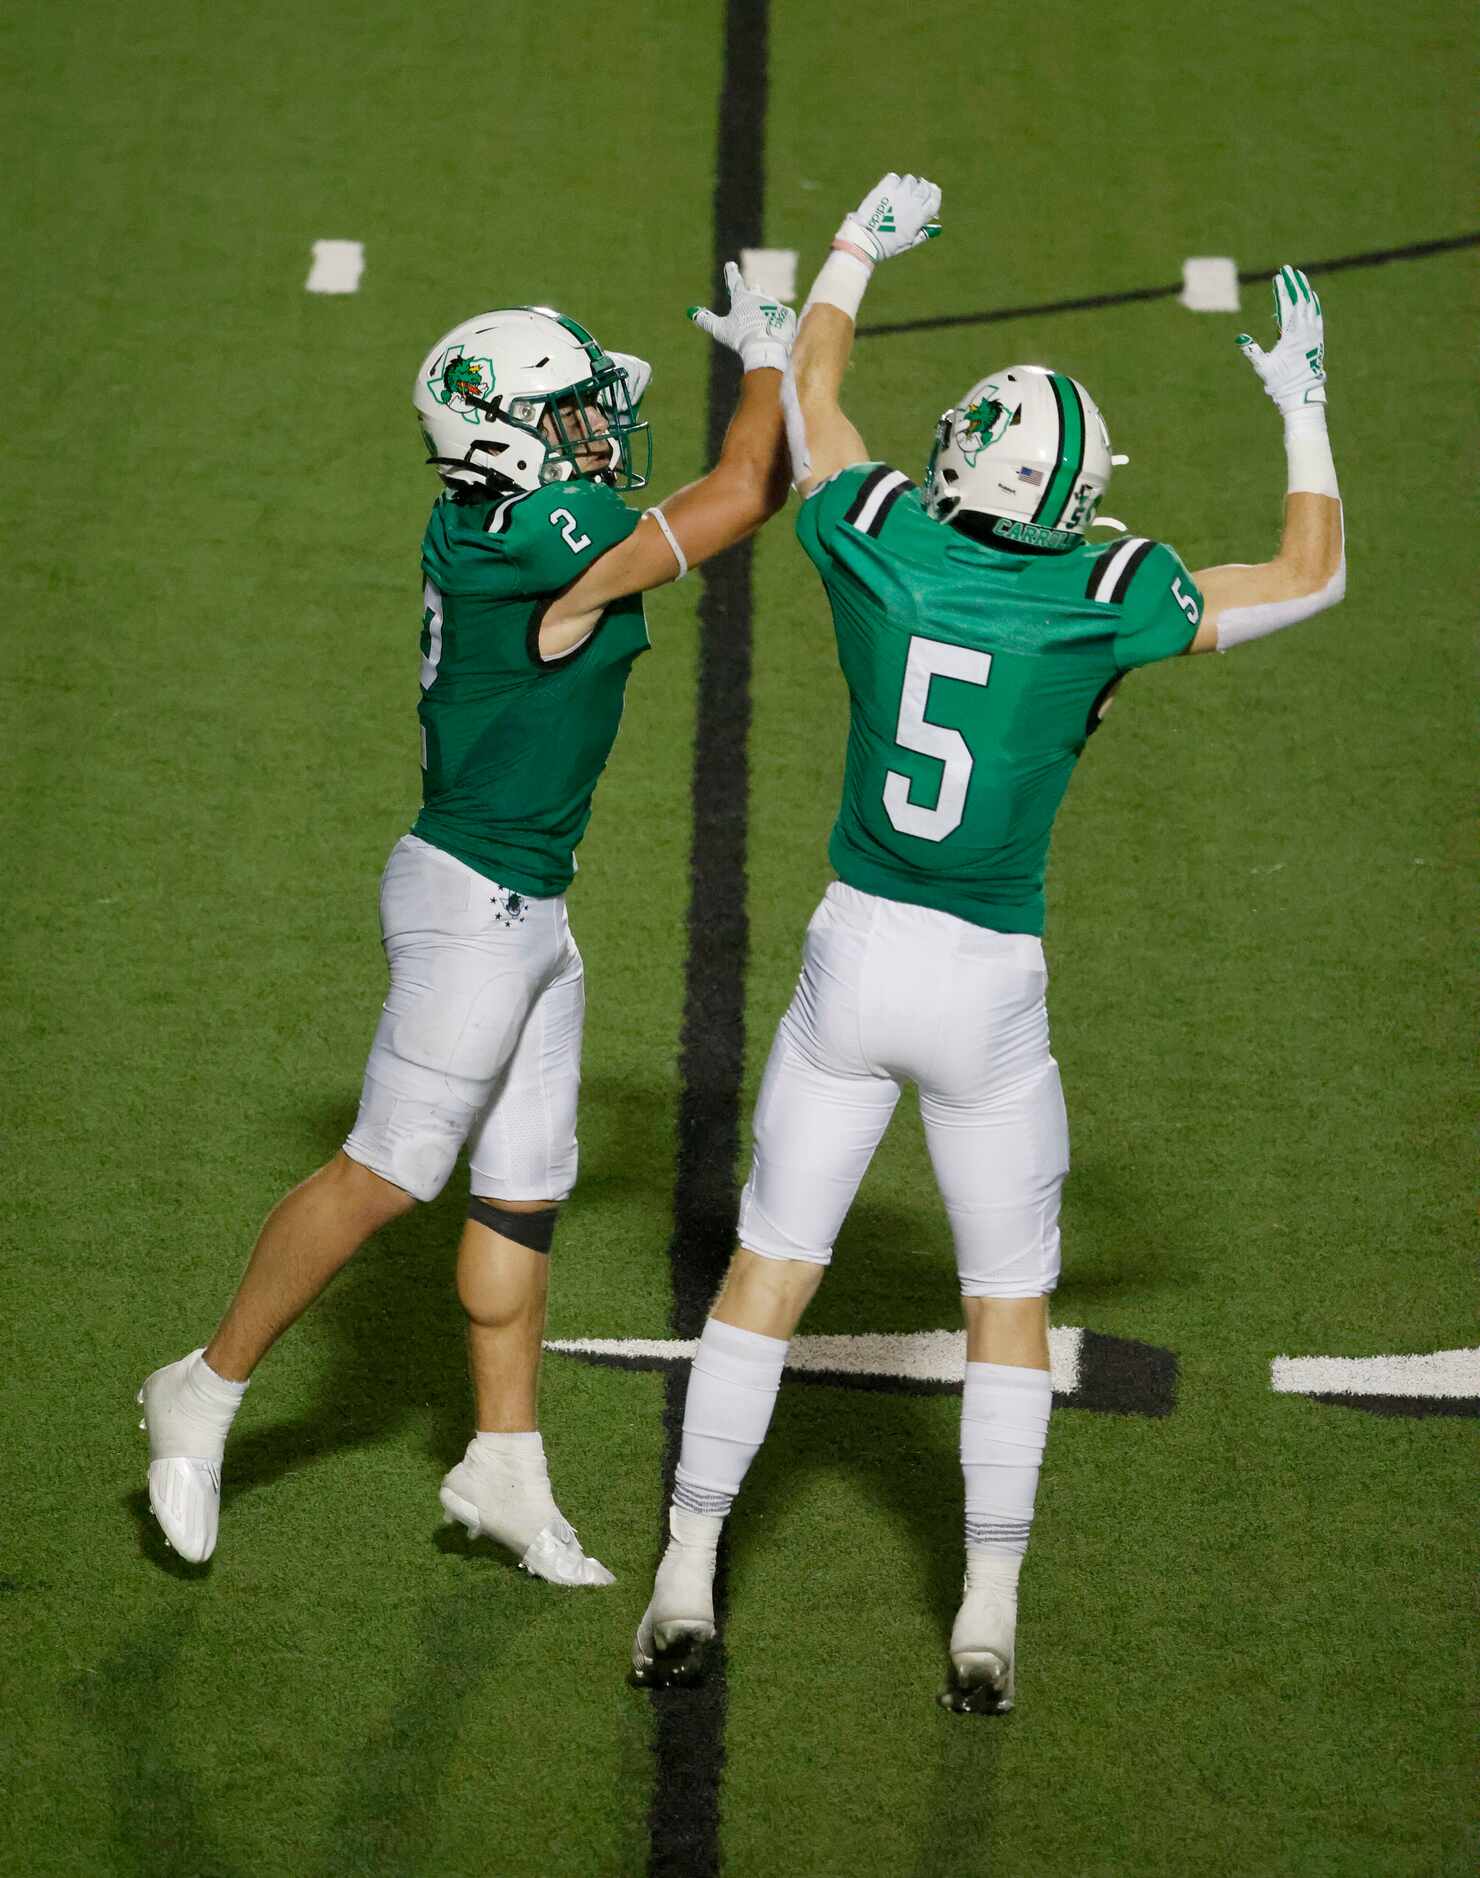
(1309,572)
(895,216)
(744,489)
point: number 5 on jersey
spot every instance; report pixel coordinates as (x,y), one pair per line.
(932,658)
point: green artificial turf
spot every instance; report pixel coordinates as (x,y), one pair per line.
(1243,1642)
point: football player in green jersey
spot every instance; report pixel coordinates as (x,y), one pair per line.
(532,617)
(981,637)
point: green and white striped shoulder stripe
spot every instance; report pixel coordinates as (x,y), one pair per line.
(1112,572)
(877,495)
(1073,416)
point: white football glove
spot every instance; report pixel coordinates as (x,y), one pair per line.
(1294,373)
(759,328)
(637,372)
(898,213)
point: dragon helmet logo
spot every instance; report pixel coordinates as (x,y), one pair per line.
(982,424)
(458,381)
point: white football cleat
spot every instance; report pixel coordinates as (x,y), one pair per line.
(678,1623)
(516,1510)
(185,1452)
(983,1644)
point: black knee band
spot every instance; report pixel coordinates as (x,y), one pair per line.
(535,1230)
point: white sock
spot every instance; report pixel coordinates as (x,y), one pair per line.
(521,1454)
(525,1496)
(1004,1428)
(215,1399)
(992,1571)
(697,1531)
(732,1391)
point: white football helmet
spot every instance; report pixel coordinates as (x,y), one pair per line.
(523,396)
(1028,449)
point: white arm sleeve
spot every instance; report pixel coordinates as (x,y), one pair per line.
(796,428)
(1310,468)
(1237,625)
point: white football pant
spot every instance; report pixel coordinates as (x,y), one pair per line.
(889,994)
(480,1036)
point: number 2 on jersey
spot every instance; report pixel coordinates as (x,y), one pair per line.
(932,658)
(568,534)
(431,624)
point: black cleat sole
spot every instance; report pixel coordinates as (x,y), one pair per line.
(983,1700)
(980,1687)
(678,1666)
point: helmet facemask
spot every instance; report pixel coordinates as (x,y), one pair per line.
(528,431)
(590,419)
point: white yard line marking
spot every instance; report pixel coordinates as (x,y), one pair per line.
(337,267)
(771,270)
(655,1349)
(912,1356)
(1210,284)
(1439,1373)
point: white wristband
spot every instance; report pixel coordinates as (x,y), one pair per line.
(841,282)
(1308,452)
(764,355)
(668,535)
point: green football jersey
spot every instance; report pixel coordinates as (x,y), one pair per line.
(512,745)
(975,676)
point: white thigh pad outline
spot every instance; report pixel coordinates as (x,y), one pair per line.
(890,993)
(1000,1167)
(524,1147)
(464,978)
(816,1129)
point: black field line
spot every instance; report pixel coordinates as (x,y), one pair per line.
(684,1820)
(1249,276)
(1410,1405)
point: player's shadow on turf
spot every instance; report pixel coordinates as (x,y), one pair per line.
(1111,1247)
(390,1325)
(391,1332)
(161,1819)
(893,1448)
(626,1130)
(390,1337)
(891,1269)
(895,1266)
(152,1542)
(899,1452)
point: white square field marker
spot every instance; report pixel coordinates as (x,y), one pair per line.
(771,270)
(337,267)
(1210,284)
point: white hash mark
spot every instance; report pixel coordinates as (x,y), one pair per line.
(771,270)
(1437,1373)
(911,1356)
(1210,284)
(337,267)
